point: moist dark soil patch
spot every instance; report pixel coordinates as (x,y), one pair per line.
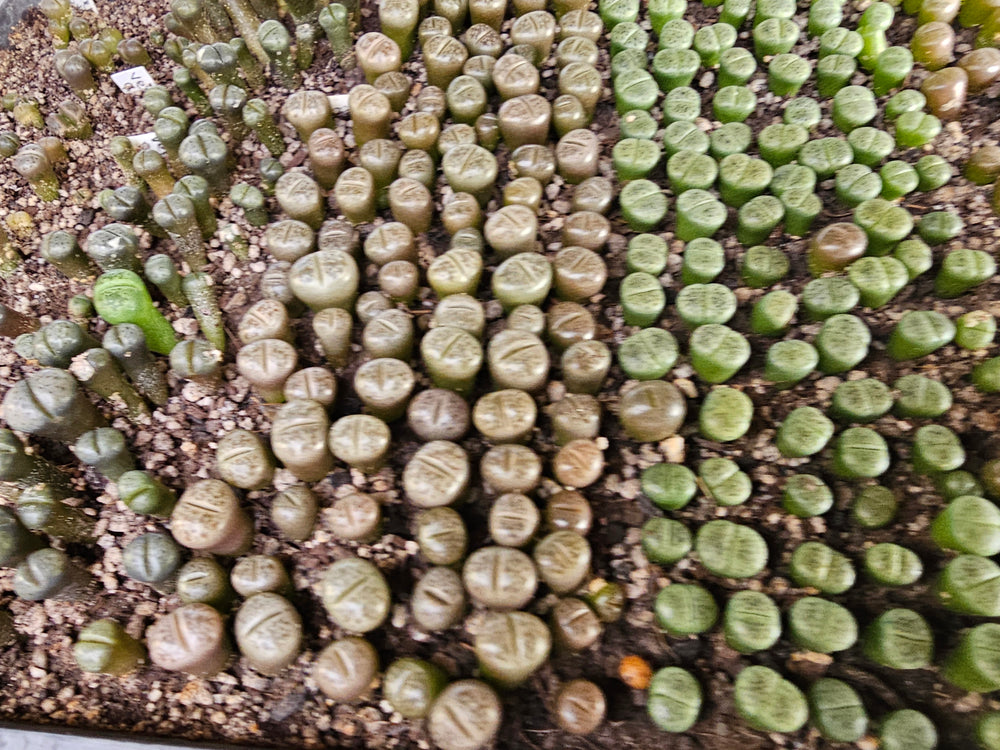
(39,680)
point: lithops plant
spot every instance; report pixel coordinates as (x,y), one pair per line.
(586,394)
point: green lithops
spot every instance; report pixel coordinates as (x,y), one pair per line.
(769,702)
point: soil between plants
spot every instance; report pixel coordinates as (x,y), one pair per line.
(40,683)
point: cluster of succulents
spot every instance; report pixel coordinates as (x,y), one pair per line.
(865,262)
(420,169)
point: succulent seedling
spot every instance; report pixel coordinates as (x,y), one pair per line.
(104,647)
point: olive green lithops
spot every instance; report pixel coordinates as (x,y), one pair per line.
(920,396)
(665,540)
(412,685)
(970,525)
(975,329)
(731,550)
(669,486)
(820,625)
(804,432)
(104,647)
(648,354)
(751,622)
(909,729)
(973,665)
(900,639)
(685,609)
(723,482)
(718,352)
(874,507)
(806,495)
(842,343)
(725,414)
(936,449)
(817,565)
(675,699)
(204,580)
(836,710)
(769,702)
(961,270)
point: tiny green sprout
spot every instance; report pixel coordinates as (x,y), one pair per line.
(9,143)
(768,702)
(219,61)
(198,191)
(98,53)
(27,114)
(228,102)
(170,127)
(121,296)
(133,52)
(152,167)
(123,152)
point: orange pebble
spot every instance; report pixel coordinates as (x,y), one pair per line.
(635,672)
